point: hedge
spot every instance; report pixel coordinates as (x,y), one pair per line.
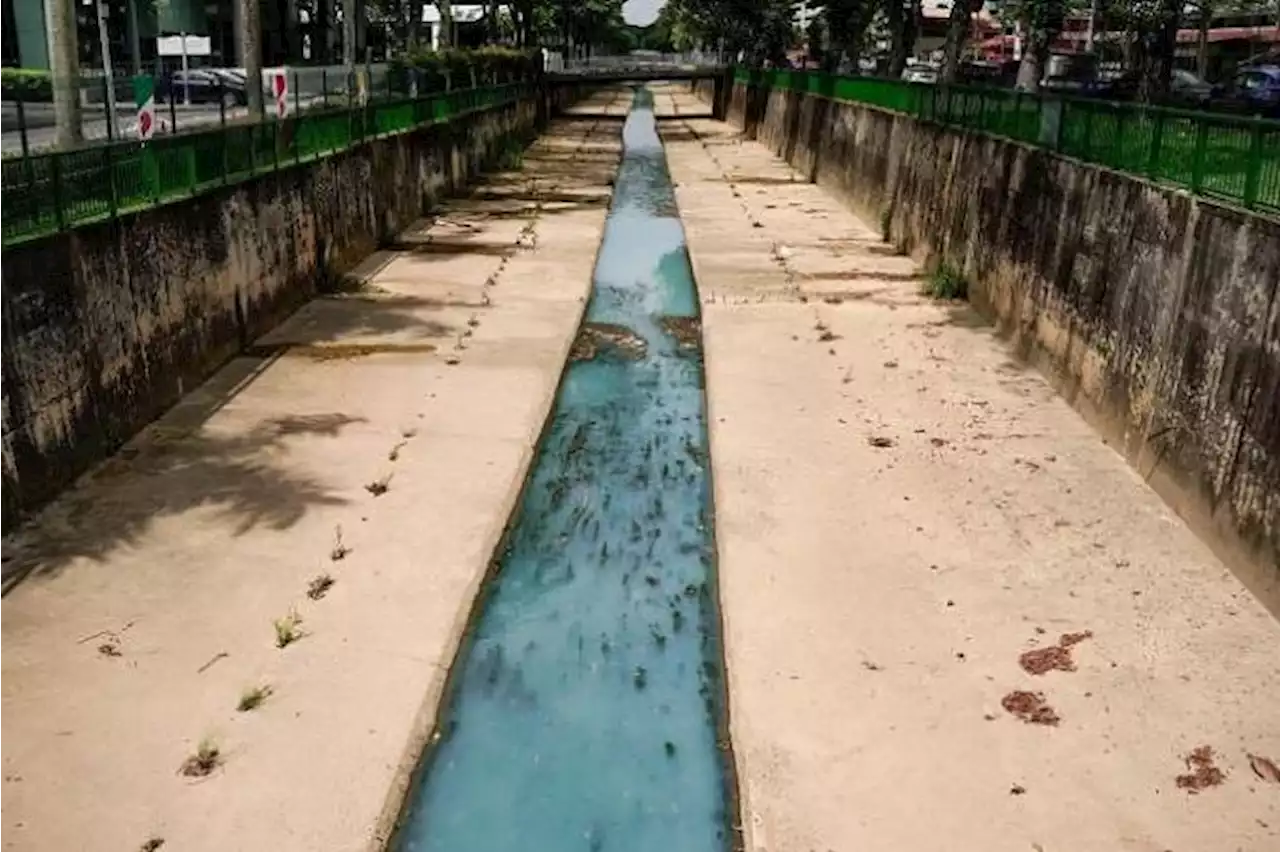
(441,69)
(26,84)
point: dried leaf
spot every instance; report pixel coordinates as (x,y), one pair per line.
(1264,768)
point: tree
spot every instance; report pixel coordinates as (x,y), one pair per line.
(1042,20)
(64,63)
(847,24)
(445,8)
(903,20)
(249,35)
(959,23)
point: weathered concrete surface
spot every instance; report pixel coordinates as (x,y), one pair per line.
(107,326)
(1156,314)
(902,510)
(180,553)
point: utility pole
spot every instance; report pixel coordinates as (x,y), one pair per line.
(64,64)
(108,74)
(249,44)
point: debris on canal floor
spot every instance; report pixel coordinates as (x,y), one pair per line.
(1040,661)
(1030,707)
(598,339)
(686,331)
(1204,773)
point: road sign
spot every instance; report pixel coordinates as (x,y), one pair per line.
(144,96)
(184,45)
(280,88)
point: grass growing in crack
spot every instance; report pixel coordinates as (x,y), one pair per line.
(319,586)
(340,550)
(151,844)
(947,282)
(252,698)
(288,630)
(206,759)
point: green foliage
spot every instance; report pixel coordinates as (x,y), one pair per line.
(437,70)
(947,282)
(763,30)
(26,84)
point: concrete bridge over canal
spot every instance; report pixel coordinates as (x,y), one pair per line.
(645,494)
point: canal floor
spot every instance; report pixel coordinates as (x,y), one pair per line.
(585,709)
(903,511)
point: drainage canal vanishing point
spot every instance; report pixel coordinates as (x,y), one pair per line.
(585,710)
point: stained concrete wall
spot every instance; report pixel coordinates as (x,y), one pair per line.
(107,326)
(1156,313)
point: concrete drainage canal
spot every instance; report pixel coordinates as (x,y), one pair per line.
(586,708)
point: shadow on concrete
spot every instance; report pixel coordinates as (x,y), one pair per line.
(369,320)
(175,467)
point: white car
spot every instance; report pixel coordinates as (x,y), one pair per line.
(920,72)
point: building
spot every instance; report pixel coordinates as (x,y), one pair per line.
(293,31)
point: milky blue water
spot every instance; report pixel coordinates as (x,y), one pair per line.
(583,711)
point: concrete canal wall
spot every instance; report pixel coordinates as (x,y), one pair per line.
(106,326)
(1154,312)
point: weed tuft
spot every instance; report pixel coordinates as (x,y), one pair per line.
(319,586)
(206,759)
(252,698)
(947,282)
(340,550)
(288,629)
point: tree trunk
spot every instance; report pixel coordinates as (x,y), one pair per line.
(1202,48)
(249,38)
(491,22)
(446,23)
(350,9)
(64,63)
(902,17)
(1158,52)
(1043,25)
(958,25)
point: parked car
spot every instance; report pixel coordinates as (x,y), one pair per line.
(1255,90)
(1187,89)
(920,72)
(203,86)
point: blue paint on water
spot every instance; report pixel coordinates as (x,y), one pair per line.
(583,712)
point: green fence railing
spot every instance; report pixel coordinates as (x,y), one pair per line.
(46,193)
(1226,157)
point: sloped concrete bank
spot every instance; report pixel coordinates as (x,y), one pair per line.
(1154,313)
(107,326)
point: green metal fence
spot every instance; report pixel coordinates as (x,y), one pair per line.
(46,193)
(1231,158)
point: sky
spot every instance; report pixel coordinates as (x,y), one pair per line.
(641,12)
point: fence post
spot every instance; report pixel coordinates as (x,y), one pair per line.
(1253,167)
(1197,156)
(55,167)
(1087,139)
(173,108)
(22,125)
(324,87)
(113,188)
(1153,155)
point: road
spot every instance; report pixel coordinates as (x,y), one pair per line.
(41,134)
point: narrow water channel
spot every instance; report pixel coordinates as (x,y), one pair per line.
(584,712)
